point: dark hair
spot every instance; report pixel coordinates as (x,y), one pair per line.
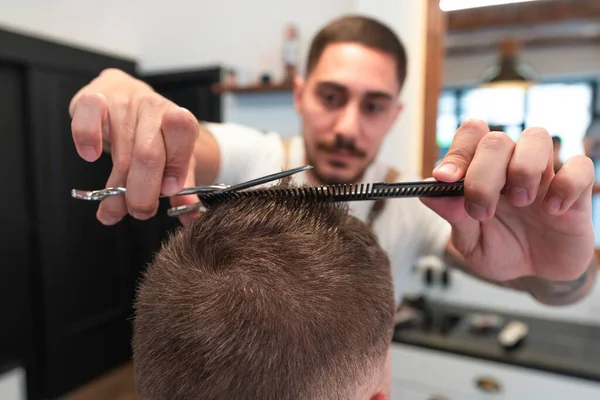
(363,30)
(264,299)
(556,140)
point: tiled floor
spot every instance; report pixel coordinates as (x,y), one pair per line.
(115,385)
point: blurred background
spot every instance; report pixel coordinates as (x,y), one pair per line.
(67,282)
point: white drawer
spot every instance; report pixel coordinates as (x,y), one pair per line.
(459,374)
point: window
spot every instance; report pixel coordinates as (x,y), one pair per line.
(447,121)
(563,108)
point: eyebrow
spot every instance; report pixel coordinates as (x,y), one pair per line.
(370,93)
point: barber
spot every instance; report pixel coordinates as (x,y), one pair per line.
(537,237)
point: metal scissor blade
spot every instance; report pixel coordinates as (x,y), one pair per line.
(265,179)
(176,211)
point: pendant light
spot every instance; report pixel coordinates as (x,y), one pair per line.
(591,139)
(510,72)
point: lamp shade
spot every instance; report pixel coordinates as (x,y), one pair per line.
(594,128)
(510,71)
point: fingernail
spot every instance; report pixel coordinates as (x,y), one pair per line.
(107,219)
(553,204)
(477,211)
(519,196)
(169,186)
(88,153)
(447,168)
(140,215)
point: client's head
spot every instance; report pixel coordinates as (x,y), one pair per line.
(266,299)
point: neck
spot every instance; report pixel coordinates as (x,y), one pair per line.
(313,180)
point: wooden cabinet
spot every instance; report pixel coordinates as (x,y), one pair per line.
(427,375)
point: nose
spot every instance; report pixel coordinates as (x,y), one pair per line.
(348,123)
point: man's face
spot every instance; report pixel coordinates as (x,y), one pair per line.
(348,104)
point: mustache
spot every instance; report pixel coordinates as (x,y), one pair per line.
(342,143)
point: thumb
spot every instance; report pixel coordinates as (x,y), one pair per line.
(451,208)
(461,152)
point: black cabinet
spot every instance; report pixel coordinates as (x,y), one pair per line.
(15,246)
(67,281)
(190,89)
(85,271)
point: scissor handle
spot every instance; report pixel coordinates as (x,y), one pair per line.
(101,194)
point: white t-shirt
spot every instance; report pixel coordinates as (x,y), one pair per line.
(406,228)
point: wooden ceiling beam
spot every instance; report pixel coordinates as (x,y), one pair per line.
(537,12)
(529,43)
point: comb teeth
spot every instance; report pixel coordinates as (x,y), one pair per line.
(344,192)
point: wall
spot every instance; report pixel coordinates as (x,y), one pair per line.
(223,32)
(266,111)
(110,26)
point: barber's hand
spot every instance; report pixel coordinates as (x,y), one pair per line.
(151,142)
(541,226)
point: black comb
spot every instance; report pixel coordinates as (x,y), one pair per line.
(344,192)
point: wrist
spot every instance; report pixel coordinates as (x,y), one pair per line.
(558,292)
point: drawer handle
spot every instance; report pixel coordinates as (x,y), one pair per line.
(438,397)
(488,384)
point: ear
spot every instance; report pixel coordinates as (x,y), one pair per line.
(398,110)
(299,85)
(379,396)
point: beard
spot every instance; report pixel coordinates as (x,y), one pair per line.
(338,143)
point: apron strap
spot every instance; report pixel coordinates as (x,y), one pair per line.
(392,175)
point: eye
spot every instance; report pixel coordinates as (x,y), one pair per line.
(332,99)
(374,108)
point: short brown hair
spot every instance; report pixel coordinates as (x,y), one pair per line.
(362,30)
(264,299)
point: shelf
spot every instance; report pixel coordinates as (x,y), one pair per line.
(258,88)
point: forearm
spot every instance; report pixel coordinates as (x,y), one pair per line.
(545,291)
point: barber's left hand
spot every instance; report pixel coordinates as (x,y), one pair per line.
(541,226)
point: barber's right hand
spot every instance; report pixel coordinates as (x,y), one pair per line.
(151,143)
